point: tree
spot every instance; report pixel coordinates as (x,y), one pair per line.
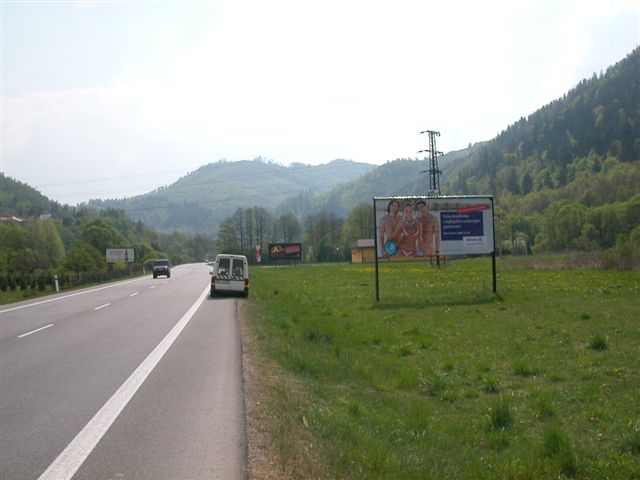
(526,183)
(359,223)
(44,239)
(228,239)
(263,225)
(287,228)
(84,258)
(24,260)
(322,235)
(100,234)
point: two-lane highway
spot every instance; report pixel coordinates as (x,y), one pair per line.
(137,379)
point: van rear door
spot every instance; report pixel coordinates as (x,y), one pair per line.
(230,275)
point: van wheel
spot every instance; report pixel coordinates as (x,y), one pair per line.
(245,294)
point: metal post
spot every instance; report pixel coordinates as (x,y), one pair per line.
(493,268)
(375,252)
(493,253)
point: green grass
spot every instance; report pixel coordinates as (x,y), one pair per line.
(444,379)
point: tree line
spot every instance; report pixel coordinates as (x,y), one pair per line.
(73,248)
(326,237)
(610,230)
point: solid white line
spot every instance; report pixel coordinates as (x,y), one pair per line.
(71,295)
(102,306)
(134,294)
(72,457)
(36,330)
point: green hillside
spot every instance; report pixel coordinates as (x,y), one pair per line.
(21,200)
(403,176)
(201,200)
(568,176)
(569,138)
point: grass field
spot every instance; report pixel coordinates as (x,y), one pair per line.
(442,378)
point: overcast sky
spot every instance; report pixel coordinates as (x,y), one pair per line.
(110,99)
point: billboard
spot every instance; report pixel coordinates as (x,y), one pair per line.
(115,255)
(420,227)
(285,251)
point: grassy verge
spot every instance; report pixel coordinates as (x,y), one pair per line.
(442,379)
(18,295)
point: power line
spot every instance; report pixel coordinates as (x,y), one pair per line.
(178,188)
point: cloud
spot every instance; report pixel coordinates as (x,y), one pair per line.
(294,81)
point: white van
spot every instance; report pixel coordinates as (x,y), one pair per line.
(230,275)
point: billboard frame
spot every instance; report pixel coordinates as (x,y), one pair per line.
(292,255)
(123,254)
(452,198)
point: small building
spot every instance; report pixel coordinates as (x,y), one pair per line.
(11,218)
(363,251)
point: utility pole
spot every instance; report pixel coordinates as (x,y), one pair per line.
(433,171)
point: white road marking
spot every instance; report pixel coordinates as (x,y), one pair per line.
(153,286)
(102,306)
(71,295)
(134,294)
(69,461)
(35,331)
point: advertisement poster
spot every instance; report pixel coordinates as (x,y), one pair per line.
(285,251)
(422,227)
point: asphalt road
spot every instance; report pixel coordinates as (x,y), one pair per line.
(140,379)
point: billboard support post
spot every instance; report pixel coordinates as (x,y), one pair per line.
(375,243)
(493,268)
(493,254)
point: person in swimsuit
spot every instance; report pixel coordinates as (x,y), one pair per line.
(430,230)
(408,234)
(388,225)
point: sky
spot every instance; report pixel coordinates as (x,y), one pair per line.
(110,99)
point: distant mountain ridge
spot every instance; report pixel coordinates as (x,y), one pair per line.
(201,200)
(402,176)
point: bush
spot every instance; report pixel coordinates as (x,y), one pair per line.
(556,445)
(500,415)
(625,255)
(598,342)
(524,369)
(491,385)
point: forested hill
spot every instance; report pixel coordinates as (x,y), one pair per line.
(403,176)
(202,199)
(21,200)
(573,135)
(568,176)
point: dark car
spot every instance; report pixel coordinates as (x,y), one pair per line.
(161,267)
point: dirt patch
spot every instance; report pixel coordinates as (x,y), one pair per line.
(280,441)
(262,455)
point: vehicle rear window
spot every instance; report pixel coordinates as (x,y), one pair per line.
(161,263)
(224,266)
(238,268)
